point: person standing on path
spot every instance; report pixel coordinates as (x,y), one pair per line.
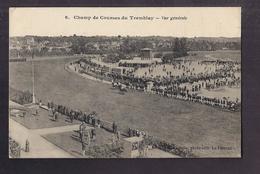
(27,146)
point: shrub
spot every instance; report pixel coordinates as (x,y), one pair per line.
(21,97)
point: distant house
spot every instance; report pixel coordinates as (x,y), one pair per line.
(146,53)
(139,62)
(145,60)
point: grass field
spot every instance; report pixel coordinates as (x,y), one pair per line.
(180,122)
(231,55)
(70,141)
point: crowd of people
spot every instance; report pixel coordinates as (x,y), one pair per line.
(72,114)
(87,135)
(168,147)
(91,119)
(186,80)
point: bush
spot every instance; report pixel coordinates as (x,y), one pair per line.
(168,147)
(21,97)
(14,148)
(104,151)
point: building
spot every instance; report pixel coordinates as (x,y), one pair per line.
(132,147)
(145,60)
(139,62)
(121,70)
(146,54)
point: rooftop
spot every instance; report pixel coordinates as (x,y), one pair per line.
(134,139)
(146,49)
(138,60)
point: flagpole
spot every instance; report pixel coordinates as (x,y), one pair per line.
(33,99)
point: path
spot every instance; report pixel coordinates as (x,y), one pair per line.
(56,129)
(39,147)
(157,153)
(70,68)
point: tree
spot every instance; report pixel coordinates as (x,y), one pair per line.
(111,58)
(78,45)
(180,48)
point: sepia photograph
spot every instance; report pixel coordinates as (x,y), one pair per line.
(125,82)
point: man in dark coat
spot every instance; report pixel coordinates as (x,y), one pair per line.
(114,127)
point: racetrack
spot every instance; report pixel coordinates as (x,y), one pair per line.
(183,123)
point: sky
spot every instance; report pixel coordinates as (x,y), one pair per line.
(199,21)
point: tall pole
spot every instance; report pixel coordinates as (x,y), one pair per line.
(34,100)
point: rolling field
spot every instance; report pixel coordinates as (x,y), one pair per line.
(183,123)
(230,55)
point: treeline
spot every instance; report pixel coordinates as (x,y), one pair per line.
(130,45)
(204,45)
(44,51)
(69,45)
(180,49)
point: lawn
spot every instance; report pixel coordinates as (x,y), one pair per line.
(180,122)
(70,141)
